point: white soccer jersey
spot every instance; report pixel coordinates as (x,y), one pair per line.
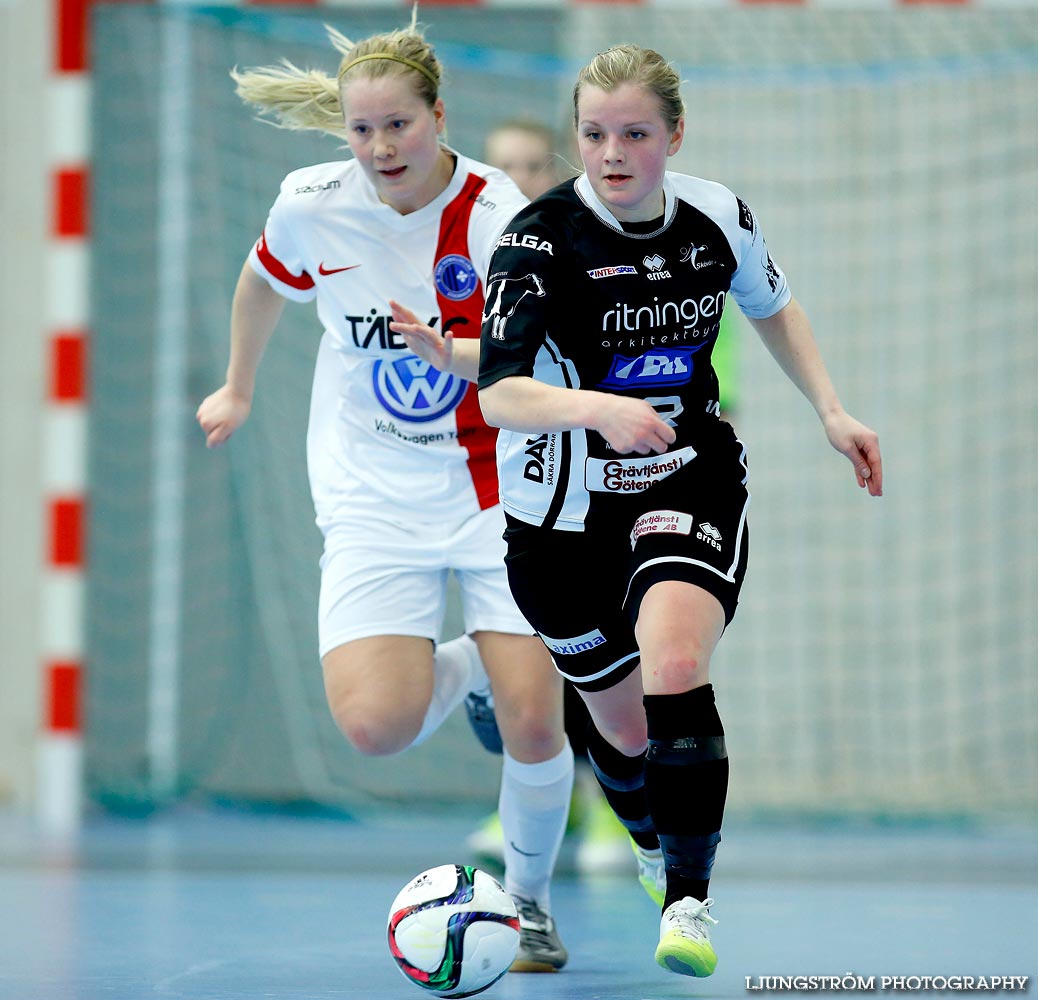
(386,429)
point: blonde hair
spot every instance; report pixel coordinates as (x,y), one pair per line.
(295,98)
(633,64)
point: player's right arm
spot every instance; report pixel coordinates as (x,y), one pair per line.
(254,315)
(521,403)
(523,289)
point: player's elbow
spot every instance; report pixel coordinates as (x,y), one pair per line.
(490,406)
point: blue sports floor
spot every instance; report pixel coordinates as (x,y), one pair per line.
(229,905)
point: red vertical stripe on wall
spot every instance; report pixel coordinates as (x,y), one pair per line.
(70,35)
(70,201)
(66,533)
(63,697)
(68,367)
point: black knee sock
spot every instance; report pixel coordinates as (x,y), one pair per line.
(686,783)
(623,781)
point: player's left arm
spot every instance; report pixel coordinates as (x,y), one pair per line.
(788,336)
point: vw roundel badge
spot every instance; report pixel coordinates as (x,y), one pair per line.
(455,277)
(412,389)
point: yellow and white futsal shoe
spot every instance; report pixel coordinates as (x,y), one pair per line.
(651,873)
(685,946)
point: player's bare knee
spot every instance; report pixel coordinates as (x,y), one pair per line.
(628,738)
(369,732)
(674,672)
(532,737)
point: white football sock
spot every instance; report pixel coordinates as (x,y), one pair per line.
(534,806)
(457,669)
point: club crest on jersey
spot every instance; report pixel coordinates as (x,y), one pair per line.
(455,277)
(412,389)
(659,366)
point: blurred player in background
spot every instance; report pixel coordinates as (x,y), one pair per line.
(527,151)
(401,463)
(625,494)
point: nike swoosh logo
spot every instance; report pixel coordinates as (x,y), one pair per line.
(321,269)
(525,854)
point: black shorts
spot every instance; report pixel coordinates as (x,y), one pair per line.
(581,590)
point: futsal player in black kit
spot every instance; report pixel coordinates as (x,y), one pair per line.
(625,494)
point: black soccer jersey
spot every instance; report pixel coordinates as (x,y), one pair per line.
(574,300)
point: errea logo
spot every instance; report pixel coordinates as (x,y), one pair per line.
(654,264)
(709,534)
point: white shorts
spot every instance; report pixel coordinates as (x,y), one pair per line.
(383,575)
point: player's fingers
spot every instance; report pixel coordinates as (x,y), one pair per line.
(402,313)
(872,455)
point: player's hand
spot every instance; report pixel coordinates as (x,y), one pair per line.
(632,425)
(422,339)
(852,438)
(221,414)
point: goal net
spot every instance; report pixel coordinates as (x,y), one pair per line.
(883,658)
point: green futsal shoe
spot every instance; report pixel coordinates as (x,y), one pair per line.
(685,946)
(651,872)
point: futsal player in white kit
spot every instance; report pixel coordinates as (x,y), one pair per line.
(401,463)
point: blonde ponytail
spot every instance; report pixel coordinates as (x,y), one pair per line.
(293,98)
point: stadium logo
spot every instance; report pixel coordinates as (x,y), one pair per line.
(578,644)
(412,389)
(455,277)
(662,366)
(654,263)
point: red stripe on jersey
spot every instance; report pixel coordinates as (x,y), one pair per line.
(464,319)
(278,270)
(70,202)
(67,367)
(63,697)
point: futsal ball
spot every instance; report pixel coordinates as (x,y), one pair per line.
(453,930)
